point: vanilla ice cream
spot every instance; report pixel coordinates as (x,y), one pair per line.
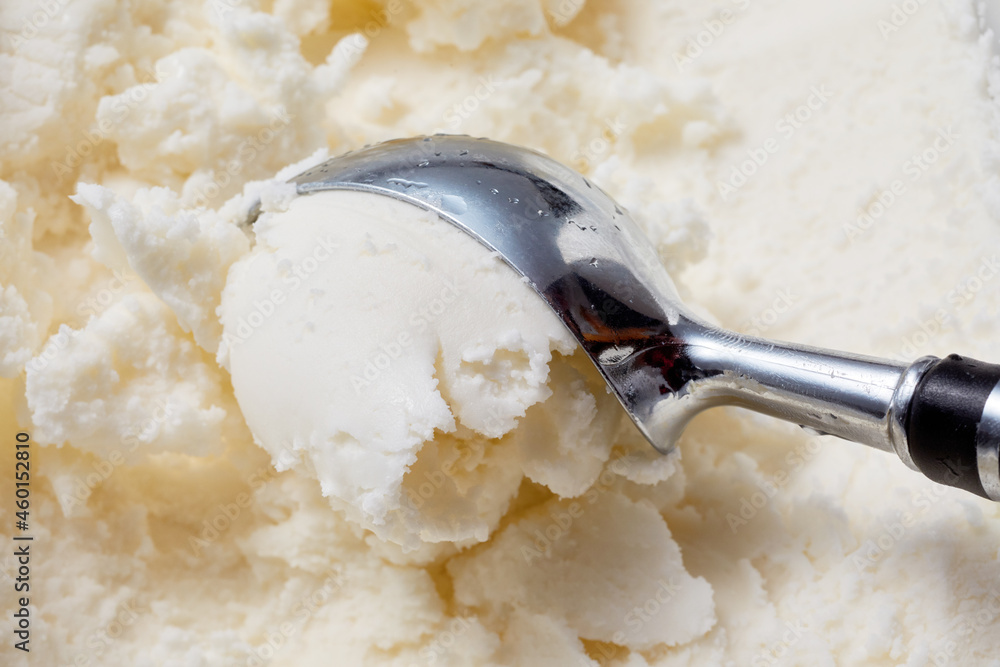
(351,435)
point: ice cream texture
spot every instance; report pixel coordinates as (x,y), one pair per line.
(353,436)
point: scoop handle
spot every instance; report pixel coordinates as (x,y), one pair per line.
(953,424)
(941,417)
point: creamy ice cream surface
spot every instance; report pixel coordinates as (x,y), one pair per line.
(353,436)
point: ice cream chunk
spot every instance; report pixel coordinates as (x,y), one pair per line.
(578,560)
(467,24)
(363,333)
(160,240)
(127,386)
(25,306)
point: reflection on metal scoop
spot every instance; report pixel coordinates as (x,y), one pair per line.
(590,262)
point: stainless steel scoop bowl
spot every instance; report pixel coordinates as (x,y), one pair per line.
(590,262)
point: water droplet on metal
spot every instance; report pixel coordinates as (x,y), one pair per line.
(593,261)
(494,191)
(437,153)
(405,183)
(424,163)
(461,153)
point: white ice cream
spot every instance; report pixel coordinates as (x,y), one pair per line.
(358,437)
(361,328)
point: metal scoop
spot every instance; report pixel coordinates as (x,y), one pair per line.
(589,261)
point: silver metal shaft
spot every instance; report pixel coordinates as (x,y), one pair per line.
(841,394)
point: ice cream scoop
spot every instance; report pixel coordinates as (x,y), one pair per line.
(590,262)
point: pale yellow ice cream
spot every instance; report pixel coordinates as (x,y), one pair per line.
(354,437)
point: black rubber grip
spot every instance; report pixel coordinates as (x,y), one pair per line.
(943,419)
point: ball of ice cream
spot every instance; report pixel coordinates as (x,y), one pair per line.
(409,370)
